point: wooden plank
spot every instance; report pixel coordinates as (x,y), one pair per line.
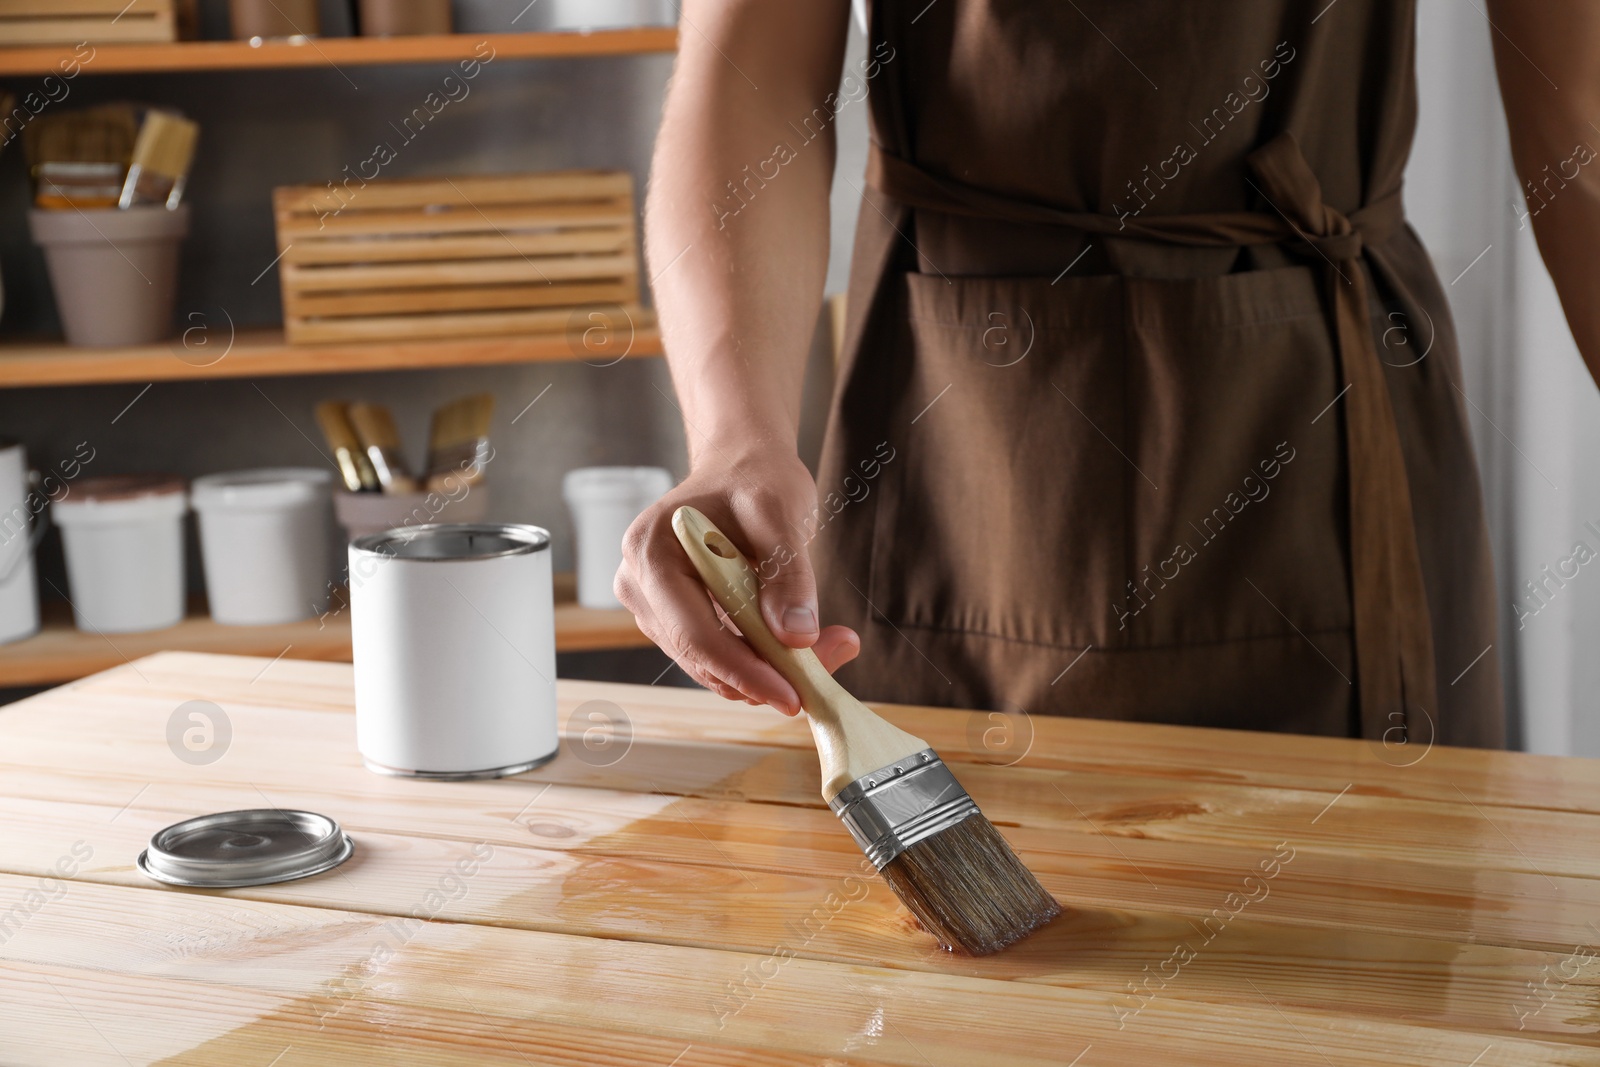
(115,755)
(265,353)
(1093,947)
(340,971)
(607,239)
(38,8)
(462,272)
(330,52)
(444,326)
(1330,766)
(1121,807)
(467,191)
(320,305)
(60,652)
(331,225)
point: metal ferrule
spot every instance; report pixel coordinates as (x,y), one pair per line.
(908,801)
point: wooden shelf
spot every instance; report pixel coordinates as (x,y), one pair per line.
(336,52)
(60,652)
(264,353)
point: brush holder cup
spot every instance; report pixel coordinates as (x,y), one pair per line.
(114,271)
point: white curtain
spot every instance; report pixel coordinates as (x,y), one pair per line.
(1534,409)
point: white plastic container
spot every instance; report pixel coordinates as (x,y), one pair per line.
(264,538)
(123,537)
(604,501)
(19,529)
(454,634)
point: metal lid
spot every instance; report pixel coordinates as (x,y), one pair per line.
(255,847)
(455,541)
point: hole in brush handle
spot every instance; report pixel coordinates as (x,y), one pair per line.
(719,545)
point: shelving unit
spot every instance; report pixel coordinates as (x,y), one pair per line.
(264,353)
(185,56)
(60,652)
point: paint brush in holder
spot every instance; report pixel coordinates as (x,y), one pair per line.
(944,860)
(79,159)
(458,442)
(354,467)
(161,158)
(380,441)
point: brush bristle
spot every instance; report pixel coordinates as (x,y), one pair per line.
(969,889)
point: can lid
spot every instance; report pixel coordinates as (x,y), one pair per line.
(253,847)
(452,541)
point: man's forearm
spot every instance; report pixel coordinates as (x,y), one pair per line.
(736,221)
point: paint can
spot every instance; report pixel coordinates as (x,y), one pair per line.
(453,628)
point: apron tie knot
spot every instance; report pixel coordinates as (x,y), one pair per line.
(1392,626)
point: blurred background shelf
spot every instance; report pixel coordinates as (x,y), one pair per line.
(264,353)
(335,51)
(61,653)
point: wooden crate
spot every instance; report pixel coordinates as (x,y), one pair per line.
(457,257)
(30,22)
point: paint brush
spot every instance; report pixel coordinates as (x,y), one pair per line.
(354,467)
(161,158)
(458,442)
(941,856)
(380,440)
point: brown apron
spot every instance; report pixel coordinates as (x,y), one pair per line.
(1149,408)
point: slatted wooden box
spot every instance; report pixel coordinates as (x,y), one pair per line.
(409,259)
(25,22)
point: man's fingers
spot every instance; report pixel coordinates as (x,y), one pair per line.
(687,627)
(788,597)
(837,646)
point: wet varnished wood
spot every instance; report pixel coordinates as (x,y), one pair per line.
(681,895)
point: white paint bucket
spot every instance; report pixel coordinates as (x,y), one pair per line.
(604,502)
(20,526)
(454,635)
(123,537)
(264,542)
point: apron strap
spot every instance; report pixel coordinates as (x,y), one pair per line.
(1391,622)
(1393,629)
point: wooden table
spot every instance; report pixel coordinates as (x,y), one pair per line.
(683,897)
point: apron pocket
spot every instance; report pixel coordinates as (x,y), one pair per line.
(1122,462)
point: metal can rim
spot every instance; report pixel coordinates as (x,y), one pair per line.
(530,539)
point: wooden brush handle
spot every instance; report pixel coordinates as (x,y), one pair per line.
(851,740)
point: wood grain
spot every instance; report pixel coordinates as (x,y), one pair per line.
(331,969)
(1232,898)
(331,52)
(60,652)
(217,351)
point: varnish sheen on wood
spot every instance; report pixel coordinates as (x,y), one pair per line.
(671,890)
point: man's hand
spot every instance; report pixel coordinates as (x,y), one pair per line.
(761,500)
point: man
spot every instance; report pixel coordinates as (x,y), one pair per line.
(1148,407)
